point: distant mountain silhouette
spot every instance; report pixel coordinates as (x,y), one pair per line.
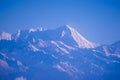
(56,54)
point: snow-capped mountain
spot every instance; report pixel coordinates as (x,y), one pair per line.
(5,36)
(69,32)
(56,54)
(66,34)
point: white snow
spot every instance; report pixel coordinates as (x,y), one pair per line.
(19,63)
(43,51)
(41,29)
(80,40)
(66,67)
(62,49)
(63,33)
(54,56)
(18,33)
(60,68)
(33,47)
(32,30)
(37,29)
(97,66)
(106,51)
(97,51)
(42,43)
(69,47)
(5,36)
(116,55)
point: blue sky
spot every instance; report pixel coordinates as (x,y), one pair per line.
(97,20)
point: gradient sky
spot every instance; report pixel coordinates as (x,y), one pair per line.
(96,20)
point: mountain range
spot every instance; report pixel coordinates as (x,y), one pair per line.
(56,54)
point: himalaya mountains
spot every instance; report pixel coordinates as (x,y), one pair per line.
(56,54)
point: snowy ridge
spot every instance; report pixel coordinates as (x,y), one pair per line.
(61,48)
(33,48)
(5,36)
(80,40)
(69,47)
(75,38)
(18,34)
(41,29)
(32,30)
(38,29)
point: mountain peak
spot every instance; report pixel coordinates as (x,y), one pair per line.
(76,36)
(5,36)
(68,26)
(37,29)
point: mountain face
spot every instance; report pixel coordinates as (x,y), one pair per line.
(56,54)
